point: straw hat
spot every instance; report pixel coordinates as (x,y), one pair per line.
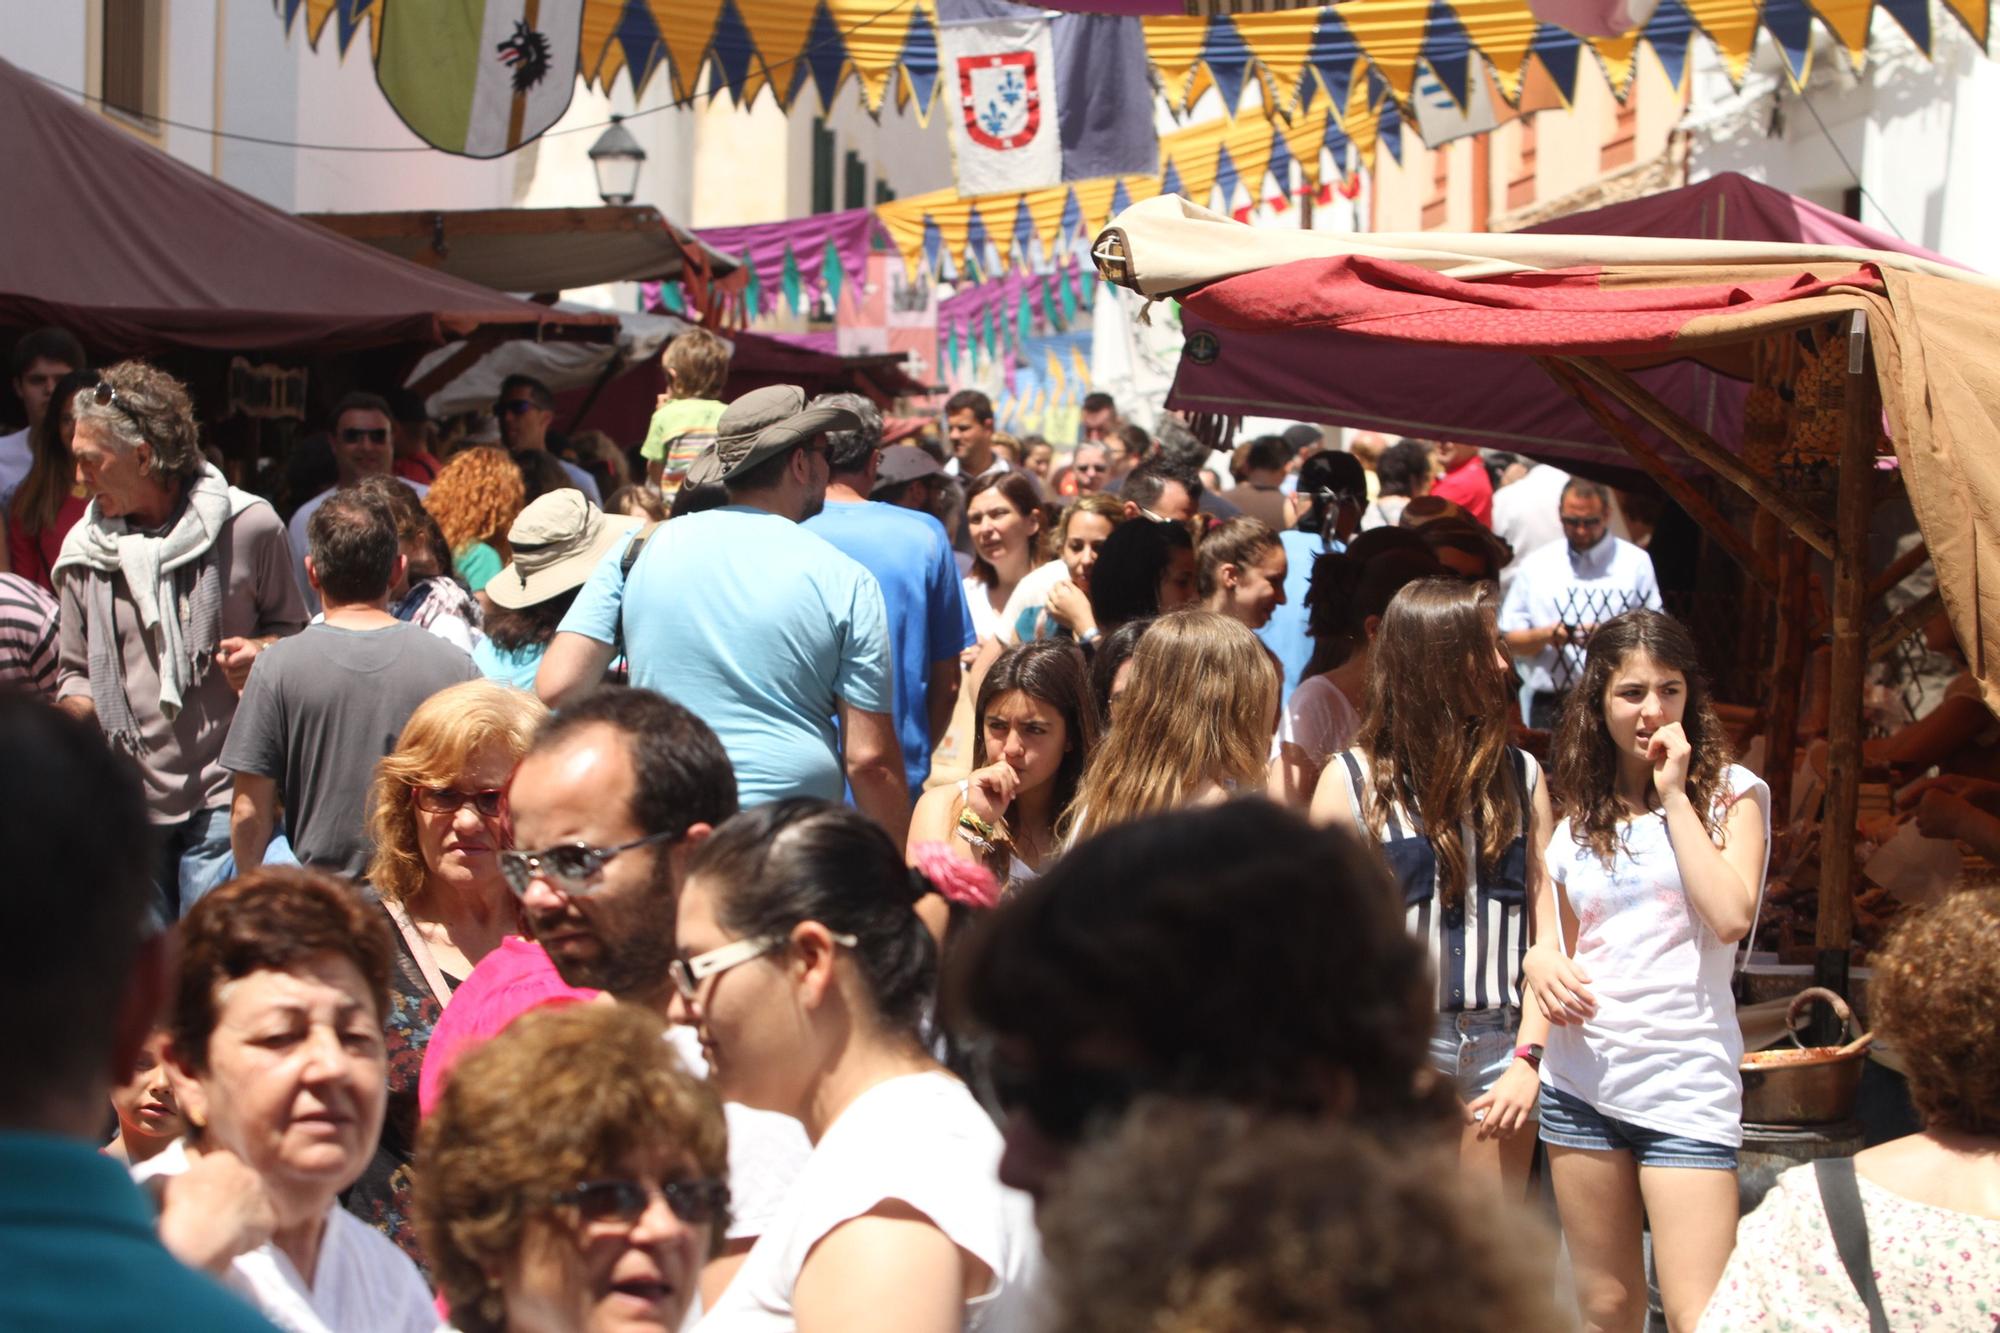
(558,541)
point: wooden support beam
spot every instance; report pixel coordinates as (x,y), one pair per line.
(1855,500)
(1684,493)
(460,361)
(1803,522)
(1788,669)
(1904,565)
(1903,624)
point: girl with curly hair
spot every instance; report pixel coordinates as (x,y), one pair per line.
(475,500)
(1656,871)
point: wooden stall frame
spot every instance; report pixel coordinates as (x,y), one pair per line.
(1844,544)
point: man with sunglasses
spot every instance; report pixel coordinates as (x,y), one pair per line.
(608,806)
(363,441)
(526,409)
(1091,468)
(1564,590)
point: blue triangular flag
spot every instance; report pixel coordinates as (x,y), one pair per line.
(920,57)
(1559,52)
(1227,56)
(1668,33)
(732,50)
(1448,50)
(1332,56)
(824,56)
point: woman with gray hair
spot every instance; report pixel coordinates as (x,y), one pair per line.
(169,587)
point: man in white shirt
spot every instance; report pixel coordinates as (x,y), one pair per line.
(363,446)
(968,417)
(1564,590)
(40,360)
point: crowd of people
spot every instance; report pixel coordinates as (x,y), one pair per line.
(959,884)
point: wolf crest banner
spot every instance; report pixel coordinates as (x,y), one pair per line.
(1000,81)
(480,77)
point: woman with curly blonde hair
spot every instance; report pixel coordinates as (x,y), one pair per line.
(438,820)
(572,1177)
(1192,726)
(475,500)
(1930,1201)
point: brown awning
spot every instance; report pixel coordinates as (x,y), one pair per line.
(533,249)
(139,253)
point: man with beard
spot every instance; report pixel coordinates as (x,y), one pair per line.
(609,805)
(762,629)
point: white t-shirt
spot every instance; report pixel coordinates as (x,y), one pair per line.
(17,455)
(363,1283)
(1664,1047)
(1032,590)
(985,620)
(1560,585)
(1319,720)
(919,1139)
(767,1150)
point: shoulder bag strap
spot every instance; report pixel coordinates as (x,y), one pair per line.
(1840,1195)
(633,549)
(419,950)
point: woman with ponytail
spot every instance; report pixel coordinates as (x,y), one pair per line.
(808,976)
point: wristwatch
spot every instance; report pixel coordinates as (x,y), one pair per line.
(1531,1052)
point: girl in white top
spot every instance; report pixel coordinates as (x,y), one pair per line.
(806,973)
(1656,875)
(1003,514)
(1036,725)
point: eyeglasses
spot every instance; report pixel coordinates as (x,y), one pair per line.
(1066,1103)
(689,973)
(449,801)
(105,396)
(1582,524)
(569,869)
(518,406)
(372,434)
(696,1202)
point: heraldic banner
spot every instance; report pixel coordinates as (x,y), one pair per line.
(999,86)
(479,77)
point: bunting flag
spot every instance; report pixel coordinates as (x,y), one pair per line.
(1302,58)
(836,245)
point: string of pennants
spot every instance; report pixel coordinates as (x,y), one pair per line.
(1012,319)
(746,48)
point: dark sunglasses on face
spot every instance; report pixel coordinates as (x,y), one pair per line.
(372,434)
(448,801)
(696,1202)
(518,406)
(1582,524)
(570,869)
(1091,467)
(1067,1104)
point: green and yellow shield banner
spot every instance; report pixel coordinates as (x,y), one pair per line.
(479,77)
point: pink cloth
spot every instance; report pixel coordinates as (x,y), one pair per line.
(1469,487)
(514,978)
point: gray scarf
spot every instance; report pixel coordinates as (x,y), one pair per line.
(175,587)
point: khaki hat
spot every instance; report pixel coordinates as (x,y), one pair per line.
(766,422)
(558,541)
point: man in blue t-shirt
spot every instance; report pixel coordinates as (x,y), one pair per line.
(910,555)
(757,626)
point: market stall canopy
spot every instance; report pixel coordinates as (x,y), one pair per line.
(137,252)
(1423,300)
(1481,396)
(535,249)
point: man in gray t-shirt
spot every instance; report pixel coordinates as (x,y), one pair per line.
(322,707)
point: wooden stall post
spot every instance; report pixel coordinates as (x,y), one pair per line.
(1855,500)
(1787,675)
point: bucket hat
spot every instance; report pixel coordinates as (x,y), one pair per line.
(558,541)
(766,422)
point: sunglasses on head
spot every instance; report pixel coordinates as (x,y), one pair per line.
(371,434)
(696,1202)
(105,396)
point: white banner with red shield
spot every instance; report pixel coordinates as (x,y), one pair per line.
(999,81)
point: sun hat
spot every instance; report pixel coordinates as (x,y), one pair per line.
(901,463)
(767,422)
(558,541)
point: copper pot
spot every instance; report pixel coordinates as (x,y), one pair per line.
(1806,1085)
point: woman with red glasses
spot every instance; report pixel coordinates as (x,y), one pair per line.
(438,820)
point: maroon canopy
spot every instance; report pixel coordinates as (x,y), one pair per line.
(138,253)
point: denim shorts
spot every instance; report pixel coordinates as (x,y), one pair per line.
(1472,1050)
(1571,1122)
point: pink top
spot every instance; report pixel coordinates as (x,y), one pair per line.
(514,978)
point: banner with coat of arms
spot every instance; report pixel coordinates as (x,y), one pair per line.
(999,86)
(480,77)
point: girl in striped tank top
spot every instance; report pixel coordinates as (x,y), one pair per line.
(1462,819)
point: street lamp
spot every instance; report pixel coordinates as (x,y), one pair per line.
(616,158)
